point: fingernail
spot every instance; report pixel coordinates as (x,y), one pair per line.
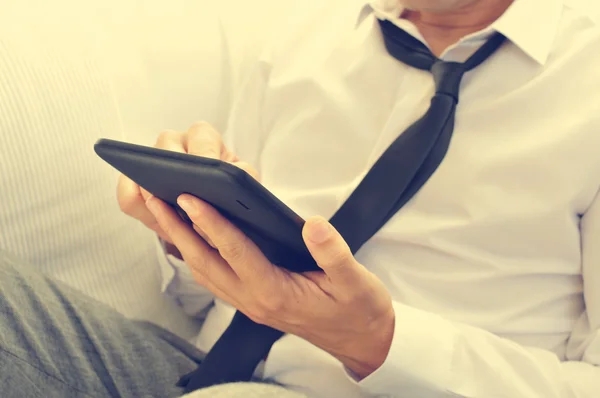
(186,204)
(319,230)
(151,204)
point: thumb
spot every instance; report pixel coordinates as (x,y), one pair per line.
(331,252)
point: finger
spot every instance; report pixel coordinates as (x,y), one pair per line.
(162,235)
(204,236)
(132,202)
(204,140)
(331,253)
(228,156)
(232,299)
(129,195)
(145,194)
(171,140)
(196,253)
(247,168)
(241,254)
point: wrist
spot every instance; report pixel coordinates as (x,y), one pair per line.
(372,353)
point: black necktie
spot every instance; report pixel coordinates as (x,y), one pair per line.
(392,181)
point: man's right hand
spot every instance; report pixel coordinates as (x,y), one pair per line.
(201,140)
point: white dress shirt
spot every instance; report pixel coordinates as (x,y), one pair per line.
(494,266)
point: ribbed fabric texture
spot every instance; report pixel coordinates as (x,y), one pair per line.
(68,76)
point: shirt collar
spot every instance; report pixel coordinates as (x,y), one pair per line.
(517,23)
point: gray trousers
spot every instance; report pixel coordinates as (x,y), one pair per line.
(56,342)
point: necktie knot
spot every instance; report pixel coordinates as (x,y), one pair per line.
(447,77)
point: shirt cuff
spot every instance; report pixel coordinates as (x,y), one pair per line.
(177,281)
(169,265)
(419,360)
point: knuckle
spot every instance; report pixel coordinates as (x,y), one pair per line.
(228,156)
(199,231)
(204,237)
(336,259)
(235,251)
(203,132)
(352,298)
(271,304)
(167,239)
(198,277)
(129,204)
(258,315)
(165,227)
(204,140)
(197,263)
(154,226)
(165,137)
(202,127)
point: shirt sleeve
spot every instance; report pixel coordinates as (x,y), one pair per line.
(433,357)
(178,282)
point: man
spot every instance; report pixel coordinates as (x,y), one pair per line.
(485,284)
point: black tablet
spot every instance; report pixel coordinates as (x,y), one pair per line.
(268,222)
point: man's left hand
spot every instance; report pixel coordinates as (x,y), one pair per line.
(345,310)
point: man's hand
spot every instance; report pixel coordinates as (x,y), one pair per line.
(345,310)
(201,140)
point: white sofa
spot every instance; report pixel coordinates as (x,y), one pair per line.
(74,71)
